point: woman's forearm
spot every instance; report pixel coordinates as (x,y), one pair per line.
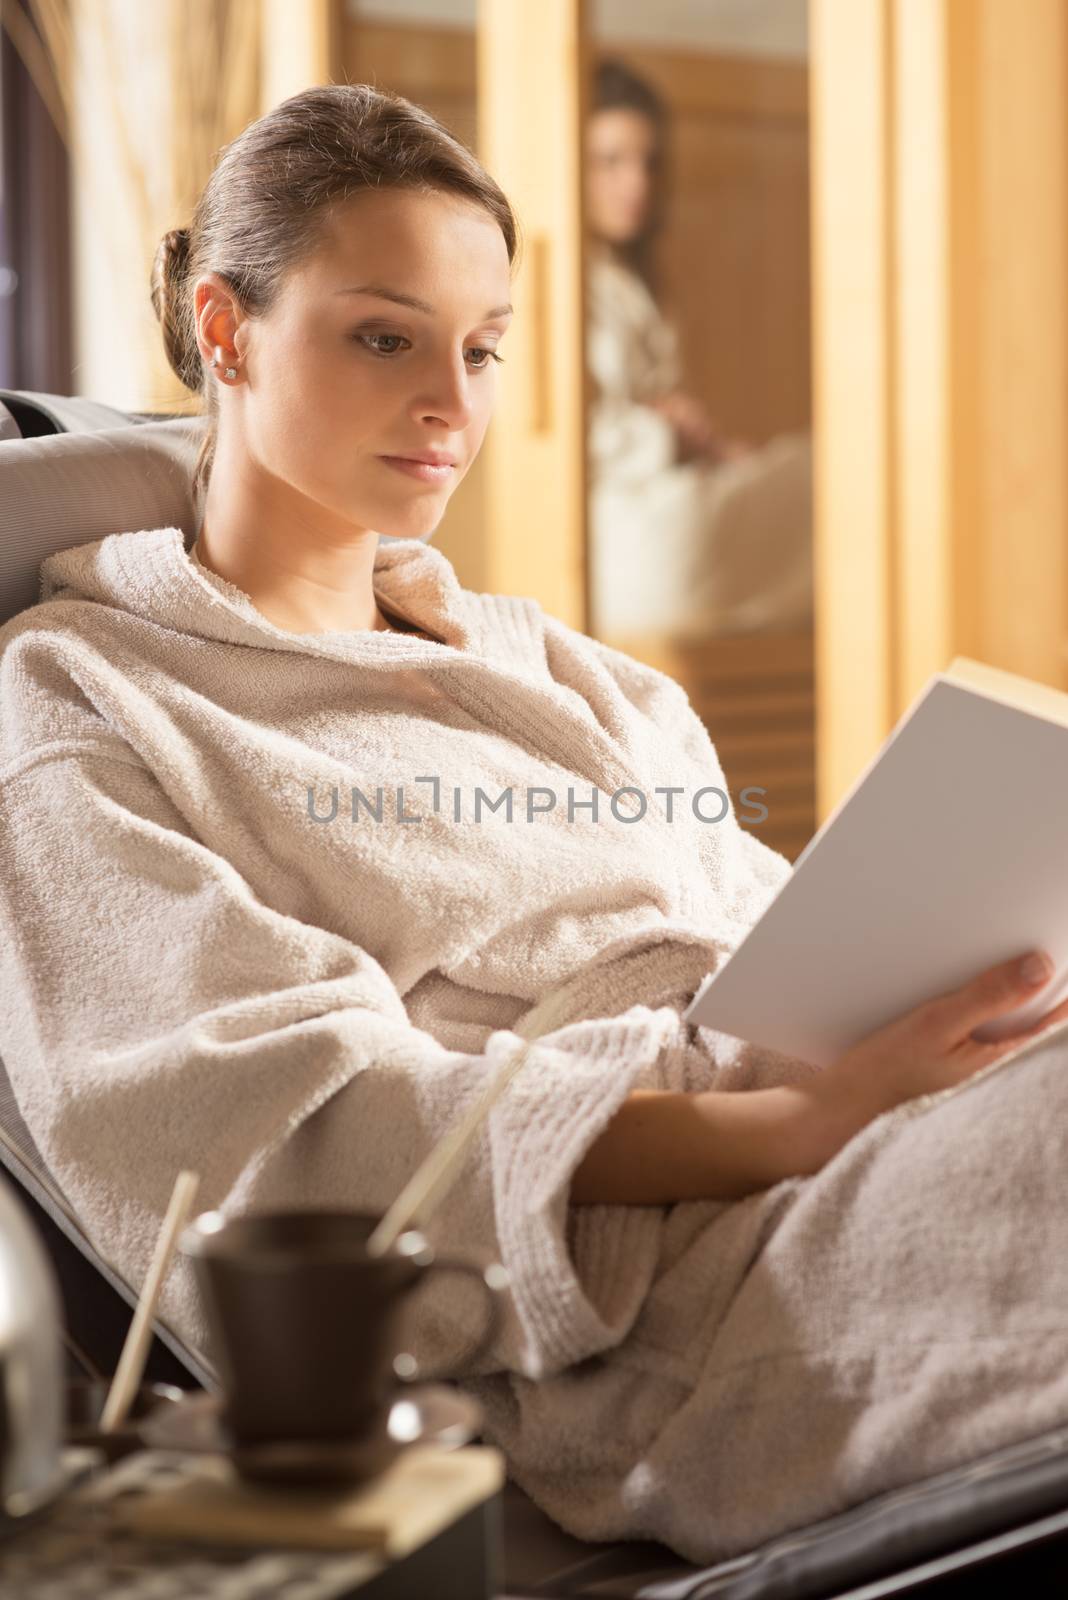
(664,1146)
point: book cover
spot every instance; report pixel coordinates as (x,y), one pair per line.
(948,855)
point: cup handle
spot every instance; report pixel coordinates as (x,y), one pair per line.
(492,1280)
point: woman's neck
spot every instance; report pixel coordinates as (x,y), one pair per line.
(289,596)
(388,623)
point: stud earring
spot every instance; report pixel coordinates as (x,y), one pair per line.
(229,372)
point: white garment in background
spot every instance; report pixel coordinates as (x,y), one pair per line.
(691,548)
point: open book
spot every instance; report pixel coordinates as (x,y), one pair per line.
(948,855)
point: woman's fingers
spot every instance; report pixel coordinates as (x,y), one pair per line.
(953,1016)
(1058,1014)
(929,1048)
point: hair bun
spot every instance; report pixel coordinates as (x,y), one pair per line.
(176,244)
(171,263)
(169,271)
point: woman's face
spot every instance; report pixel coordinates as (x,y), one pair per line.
(621,152)
(337,377)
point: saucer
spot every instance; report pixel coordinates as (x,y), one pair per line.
(425,1413)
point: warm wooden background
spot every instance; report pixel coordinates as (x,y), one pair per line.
(735,254)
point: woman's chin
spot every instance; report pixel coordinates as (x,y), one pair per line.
(400,528)
(415,522)
(407,523)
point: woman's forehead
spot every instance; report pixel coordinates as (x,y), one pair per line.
(410,243)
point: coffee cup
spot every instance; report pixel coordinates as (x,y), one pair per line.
(308,1328)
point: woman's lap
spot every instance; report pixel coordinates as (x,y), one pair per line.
(902,1311)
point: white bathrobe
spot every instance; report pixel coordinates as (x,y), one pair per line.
(690,549)
(204,964)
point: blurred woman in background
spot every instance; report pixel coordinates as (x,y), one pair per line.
(692,532)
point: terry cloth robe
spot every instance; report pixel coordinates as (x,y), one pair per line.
(203,964)
(692,548)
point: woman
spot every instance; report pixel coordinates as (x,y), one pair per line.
(256,921)
(691,533)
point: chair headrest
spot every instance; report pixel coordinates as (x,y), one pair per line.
(65,489)
(36,413)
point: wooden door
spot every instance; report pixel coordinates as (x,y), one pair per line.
(940,240)
(531,111)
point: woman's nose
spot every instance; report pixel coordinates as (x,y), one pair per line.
(448,397)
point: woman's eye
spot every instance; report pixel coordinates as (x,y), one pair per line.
(480,350)
(367,337)
(476,350)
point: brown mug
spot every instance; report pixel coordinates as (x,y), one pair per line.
(308,1329)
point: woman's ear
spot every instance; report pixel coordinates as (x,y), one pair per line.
(219,318)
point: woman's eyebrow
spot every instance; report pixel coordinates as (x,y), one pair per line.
(410,299)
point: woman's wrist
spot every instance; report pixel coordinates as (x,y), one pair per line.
(831,1109)
(664,1147)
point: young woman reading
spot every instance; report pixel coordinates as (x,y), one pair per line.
(297,834)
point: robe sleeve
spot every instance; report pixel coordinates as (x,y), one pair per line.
(629,443)
(631,353)
(155,1014)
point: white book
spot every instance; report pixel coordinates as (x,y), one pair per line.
(948,855)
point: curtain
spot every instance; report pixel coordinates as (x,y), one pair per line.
(36,335)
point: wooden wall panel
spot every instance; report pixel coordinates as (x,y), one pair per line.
(531,137)
(1020,237)
(436,67)
(735,254)
(940,231)
(852,255)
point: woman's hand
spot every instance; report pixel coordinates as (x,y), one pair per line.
(665,1146)
(697,435)
(928,1049)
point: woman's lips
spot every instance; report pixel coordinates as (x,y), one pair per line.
(424,470)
